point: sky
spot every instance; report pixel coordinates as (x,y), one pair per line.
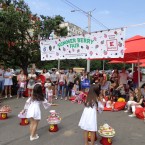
(111,13)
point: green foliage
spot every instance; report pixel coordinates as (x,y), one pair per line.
(19,33)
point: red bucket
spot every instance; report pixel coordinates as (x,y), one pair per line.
(53,128)
(3,116)
(24,121)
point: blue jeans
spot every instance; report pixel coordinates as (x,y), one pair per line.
(69,88)
(1,85)
(20,92)
(61,91)
(135,85)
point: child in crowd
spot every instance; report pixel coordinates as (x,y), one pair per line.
(46,85)
(49,93)
(21,78)
(78,97)
(88,121)
(101,103)
(76,87)
(32,107)
(110,103)
(39,81)
(77,93)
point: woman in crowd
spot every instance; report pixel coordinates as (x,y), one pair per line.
(123,76)
(70,77)
(54,80)
(104,83)
(21,78)
(8,75)
(135,105)
(95,77)
(45,73)
(143,90)
(112,88)
(115,76)
(132,99)
(31,82)
(61,84)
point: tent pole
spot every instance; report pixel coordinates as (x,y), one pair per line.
(103,64)
(132,67)
(58,66)
(138,74)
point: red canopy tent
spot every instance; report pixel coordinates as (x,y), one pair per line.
(117,61)
(131,61)
(142,65)
(134,50)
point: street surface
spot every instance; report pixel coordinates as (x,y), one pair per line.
(129,131)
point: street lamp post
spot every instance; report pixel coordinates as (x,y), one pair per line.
(89,31)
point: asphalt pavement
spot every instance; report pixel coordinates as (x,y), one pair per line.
(129,131)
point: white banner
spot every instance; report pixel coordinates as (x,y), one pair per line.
(103,44)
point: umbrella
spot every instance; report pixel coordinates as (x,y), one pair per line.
(142,65)
(135,50)
(117,61)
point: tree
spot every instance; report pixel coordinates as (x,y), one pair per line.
(20,32)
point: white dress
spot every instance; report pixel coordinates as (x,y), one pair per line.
(8,81)
(88,119)
(33,108)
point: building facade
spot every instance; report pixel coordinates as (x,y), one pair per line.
(72,29)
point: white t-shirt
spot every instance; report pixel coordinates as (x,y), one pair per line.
(53,77)
(123,78)
(47,75)
(62,78)
(108,104)
(71,77)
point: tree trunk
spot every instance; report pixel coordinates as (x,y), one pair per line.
(24,67)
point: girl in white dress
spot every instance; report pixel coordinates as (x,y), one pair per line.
(88,121)
(32,107)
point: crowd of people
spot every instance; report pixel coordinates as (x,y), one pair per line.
(61,85)
(96,92)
